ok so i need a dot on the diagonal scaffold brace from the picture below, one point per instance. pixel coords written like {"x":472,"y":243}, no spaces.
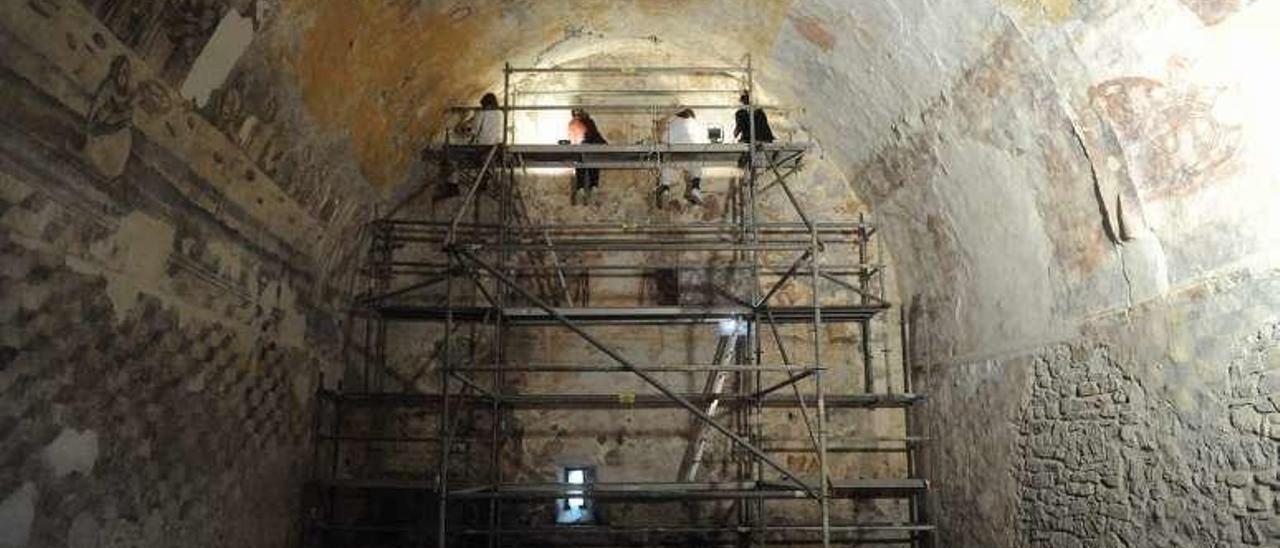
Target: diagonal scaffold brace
{"x":467,"y":255}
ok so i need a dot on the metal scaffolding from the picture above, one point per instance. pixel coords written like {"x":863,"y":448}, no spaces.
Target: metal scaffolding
{"x":490,"y":269}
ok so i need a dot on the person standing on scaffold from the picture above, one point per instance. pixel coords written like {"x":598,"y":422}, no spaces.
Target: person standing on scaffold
{"x":583,"y":131}
{"x":682,"y":130}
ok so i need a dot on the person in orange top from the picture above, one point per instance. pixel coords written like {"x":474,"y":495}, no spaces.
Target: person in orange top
{"x":583,"y":130}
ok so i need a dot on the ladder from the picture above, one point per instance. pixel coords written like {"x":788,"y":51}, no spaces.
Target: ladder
{"x":698,"y":440}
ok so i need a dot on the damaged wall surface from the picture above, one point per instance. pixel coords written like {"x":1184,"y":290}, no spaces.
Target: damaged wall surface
{"x":166,"y":312}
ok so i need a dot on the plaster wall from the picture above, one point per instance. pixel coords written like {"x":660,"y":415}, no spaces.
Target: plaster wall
{"x":163,"y":326}
{"x":1089,"y":266}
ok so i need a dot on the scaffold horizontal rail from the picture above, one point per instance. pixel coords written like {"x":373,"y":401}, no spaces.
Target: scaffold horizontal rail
{"x":861,"y":529}
{"x":649,"y":155}
{"x":527,"y":316}
{"x":630,"y":157}
{"x":875,"y":488}
{"x":556,"y":229}
{"x":865,"y":527}
{"x":424,"y":268}
{"x":630,"y":400}
{"x":846,"y":445}
{"x":887,"y":488}
{"x":713,"y":246}
{"x":632,"y":70}
{"x":663,"y":368}
{"x":637,"y":108}
{"x":869,"y":489}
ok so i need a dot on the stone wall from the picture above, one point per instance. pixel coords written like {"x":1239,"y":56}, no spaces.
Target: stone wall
{"x":1155,"y":428}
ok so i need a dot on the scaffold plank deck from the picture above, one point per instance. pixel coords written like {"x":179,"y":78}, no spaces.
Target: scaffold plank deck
{"x":642,"y":156}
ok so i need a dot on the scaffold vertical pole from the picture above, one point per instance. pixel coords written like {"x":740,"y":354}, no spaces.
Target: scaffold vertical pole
{"x":446,"y":441}
{"x":864,"y":284}
{"x":752,"y":235}
{"x":823,"y":470}
{"x":506,"y":182}
{"x":508,"y":124}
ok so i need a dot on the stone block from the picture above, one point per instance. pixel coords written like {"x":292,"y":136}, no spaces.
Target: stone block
{"x":1237,"y":498}
{"x":1245,"y":419}
{"x":1106,"y":409}
{"x":1076,"y":409}
{"x":1238,"y":478}
{"x":1269,"y":381}
{"x":1260,"y":499}
{"x":1111,"y":479}
{"x":1042,"y":481}
{"x":1117,"y":511}
{"x":1270,"y":528}
{"x":1080,"y":488}
{"x":1250,"y":533}
{"x":1268,"y":477}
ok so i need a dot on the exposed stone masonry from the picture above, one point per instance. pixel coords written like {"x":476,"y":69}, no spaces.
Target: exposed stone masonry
{"x":1253,"y":479}
{"x":1106,"y":463}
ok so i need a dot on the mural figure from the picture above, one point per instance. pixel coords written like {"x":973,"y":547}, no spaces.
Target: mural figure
{"x":227,"y":108}
{"x":1172,"y":137}
{"x":254,"y":127}
{"x":191,"y":24}
{"x":154,"y":97}
{"x":264,"y":144}
{"x":108,"y":133}
{"x":134,"y":22}
{"x":138,"y":20}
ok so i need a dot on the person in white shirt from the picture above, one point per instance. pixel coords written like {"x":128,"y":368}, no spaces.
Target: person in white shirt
{"x":683,"y":129}
{"x":485,"y":126}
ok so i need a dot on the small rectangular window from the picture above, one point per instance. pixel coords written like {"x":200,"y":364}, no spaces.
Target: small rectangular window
{"x":575,"y":509}
{"x":576,"y":476}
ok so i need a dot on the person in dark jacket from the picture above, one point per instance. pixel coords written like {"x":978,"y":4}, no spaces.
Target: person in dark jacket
{"x":583,"y":131}
{"x":742,"y":125}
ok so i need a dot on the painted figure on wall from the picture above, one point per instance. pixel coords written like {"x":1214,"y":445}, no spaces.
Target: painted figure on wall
{"x":226,"y":108}
{"x":108,"y":133}
{"x":134,"y":22}
{"x":255,"y":126}
{"x":262,"y":142}
{"x":191,"y":24}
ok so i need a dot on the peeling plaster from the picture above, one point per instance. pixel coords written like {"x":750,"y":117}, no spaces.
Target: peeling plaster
{"x":230,"y":40}
{"x":72,"y":451}
{"x":139,"y":254}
